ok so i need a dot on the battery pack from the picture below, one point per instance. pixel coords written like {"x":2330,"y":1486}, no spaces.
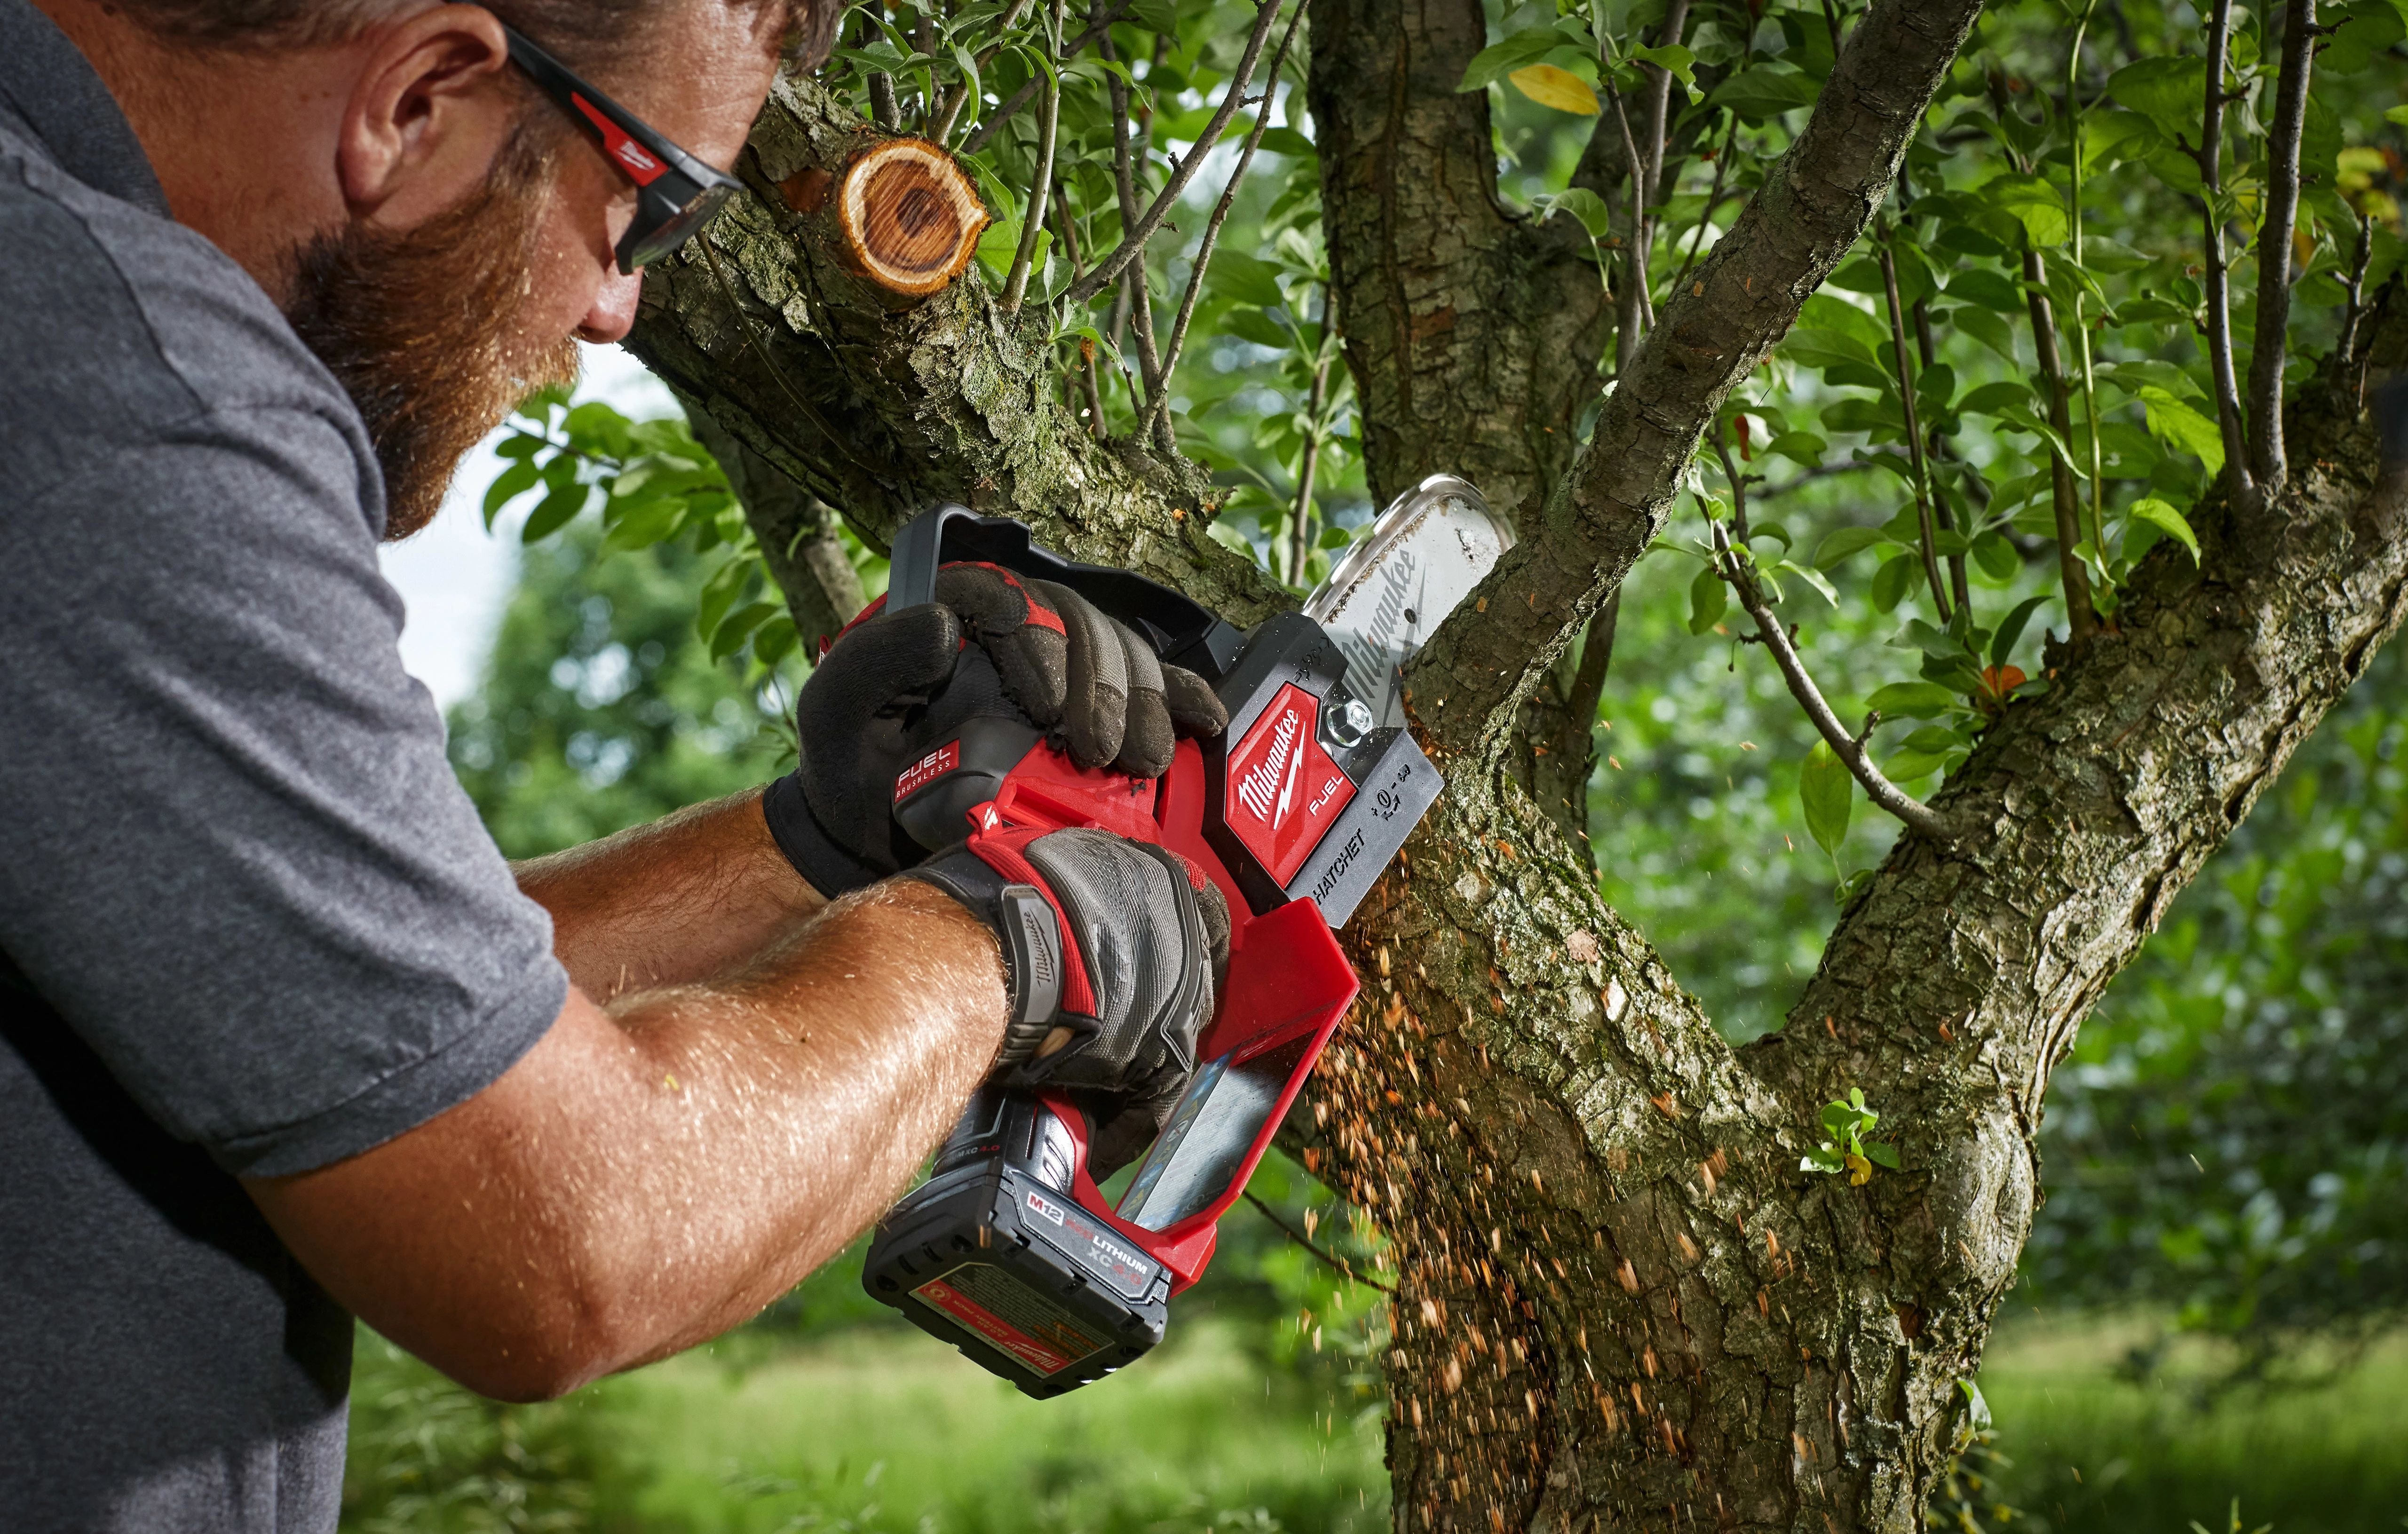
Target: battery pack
{"x":994,"y":1255}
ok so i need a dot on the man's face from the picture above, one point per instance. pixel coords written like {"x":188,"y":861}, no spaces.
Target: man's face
{"x":438,"y":329}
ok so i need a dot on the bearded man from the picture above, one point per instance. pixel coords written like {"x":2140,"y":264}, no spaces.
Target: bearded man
{"x":283,"y":1040}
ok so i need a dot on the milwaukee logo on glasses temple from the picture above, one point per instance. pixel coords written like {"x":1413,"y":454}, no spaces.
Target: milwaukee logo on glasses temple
{"x":1285,"y":789}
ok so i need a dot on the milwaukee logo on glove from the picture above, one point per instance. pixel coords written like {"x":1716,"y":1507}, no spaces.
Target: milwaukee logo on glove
{"x":1287,"y":789}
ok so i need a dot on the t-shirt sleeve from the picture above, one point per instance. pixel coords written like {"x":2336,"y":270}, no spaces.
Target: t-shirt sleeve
{"x":231,"y":853}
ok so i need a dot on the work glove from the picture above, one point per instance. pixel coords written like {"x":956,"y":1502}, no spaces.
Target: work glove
{"x":897,"y":685}
{"x":1114,"y":951}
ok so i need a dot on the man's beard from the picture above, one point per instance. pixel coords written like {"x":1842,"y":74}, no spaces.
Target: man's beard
{"x":422,"y":327}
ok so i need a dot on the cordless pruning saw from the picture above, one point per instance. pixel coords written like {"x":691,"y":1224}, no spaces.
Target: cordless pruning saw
{"x":1010,"y":1250}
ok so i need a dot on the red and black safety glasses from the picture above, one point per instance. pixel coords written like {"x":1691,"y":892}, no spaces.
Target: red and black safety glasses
{"x":676,"y":194}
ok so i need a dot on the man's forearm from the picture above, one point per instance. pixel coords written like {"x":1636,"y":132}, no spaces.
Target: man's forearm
{"x":679,"y":901}
{"x":653,"y":1173}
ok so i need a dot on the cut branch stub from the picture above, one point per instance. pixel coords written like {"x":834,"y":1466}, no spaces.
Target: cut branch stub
{"x":911,"y":218}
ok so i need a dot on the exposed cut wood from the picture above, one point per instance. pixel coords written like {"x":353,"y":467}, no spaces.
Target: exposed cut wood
{"x":911,"y":218}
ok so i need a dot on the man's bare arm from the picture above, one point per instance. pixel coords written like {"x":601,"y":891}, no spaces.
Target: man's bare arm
{"x":682,"y":899}
{"x":654,"y":1171}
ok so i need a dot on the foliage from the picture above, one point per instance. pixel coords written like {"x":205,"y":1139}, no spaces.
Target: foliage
{"x":2231,"y":1138}
{"x":428,"y":1458}
{"x":1844,"y":1147}
{"x":602,"y":708}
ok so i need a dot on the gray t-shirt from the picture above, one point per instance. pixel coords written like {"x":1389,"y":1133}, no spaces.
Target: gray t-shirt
{"x":249,"y":925}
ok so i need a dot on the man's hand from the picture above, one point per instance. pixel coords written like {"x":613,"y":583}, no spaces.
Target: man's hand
{"x":1115,"y":951}
{"x":895,"y":686}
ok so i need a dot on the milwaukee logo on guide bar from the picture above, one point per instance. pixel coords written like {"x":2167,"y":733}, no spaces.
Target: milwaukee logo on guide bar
{"x":1286,"y":790}
{"x":927,"y":769}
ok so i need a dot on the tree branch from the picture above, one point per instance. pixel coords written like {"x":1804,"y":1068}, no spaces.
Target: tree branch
{"x":1928,"y":533}
{"x":1041,"y":194}
{"x":2268,"y":349}
{"x":993,"y":124}
{"x":1815,"y":202}
{"x":1133,"y":242}
{"x":1768,"y":633}
{"x":1220,"y":216}
{"x":1339,"y":1265}
{"x":2082,"y":614}
{"x":2216,"y":276}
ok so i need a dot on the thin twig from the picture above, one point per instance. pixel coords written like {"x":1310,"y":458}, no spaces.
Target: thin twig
{"x":1300,"y":1239}
{"x":2082,"y":614}
{"x":2216,"y":276}
{"x":1299,"y":547}
{"x":1133,"y":242}
{"x":1925,"y":525}
{"x":1032,"y":219}
{"x":2267,"y":351}
{"x":1847,"y":748}
{"x":1137,"y":297}
{"x":994,"y":120}
{"x":1220,"y":216}
{"x":960,"y":96}
{"x":2081,"y":305}
{"x":2346,"y":348}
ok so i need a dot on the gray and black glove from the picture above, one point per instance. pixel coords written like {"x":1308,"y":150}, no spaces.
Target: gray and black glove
{"x":1115,"y":951}
{"x":896,"y":686}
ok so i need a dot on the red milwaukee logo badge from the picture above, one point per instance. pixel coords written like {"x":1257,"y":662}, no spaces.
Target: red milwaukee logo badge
{"x":1284,"y":790}
{"x":927,"y":769}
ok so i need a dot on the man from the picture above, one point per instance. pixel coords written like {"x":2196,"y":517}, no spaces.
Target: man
{"x":282,"y":1040}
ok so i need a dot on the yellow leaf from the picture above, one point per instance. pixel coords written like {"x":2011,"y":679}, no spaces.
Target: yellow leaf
{"x":1558,"y":88}
{"x":1860,"y":1172}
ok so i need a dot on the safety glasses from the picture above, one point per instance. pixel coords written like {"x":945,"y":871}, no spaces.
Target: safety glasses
{"x":676,"y":194}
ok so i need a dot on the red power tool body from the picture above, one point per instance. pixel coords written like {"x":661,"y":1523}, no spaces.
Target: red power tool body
{"x":1010,"y":1250}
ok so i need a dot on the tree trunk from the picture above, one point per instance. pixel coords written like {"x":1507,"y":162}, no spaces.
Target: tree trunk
{"x":1622,"y":1304}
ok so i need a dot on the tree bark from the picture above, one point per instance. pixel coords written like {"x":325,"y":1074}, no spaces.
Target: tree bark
{"x":1476,"y":331}
{"x":1620,"y":1304}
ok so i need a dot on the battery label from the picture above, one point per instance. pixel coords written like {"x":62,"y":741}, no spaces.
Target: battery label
{"x":1008,"y":1314}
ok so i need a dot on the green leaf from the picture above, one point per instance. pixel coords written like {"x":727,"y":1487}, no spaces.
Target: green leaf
{"x":1890,"y":582}
{"x":1803,"y":448}
{"x":737,"y":627}
{"x":2003,"y":644}
{"x":1996,"y":559}
{"x":2024,"y":421}
{"x":508,"y":486}
{"x":2162,"y":516}
{"x":1677,"y":61}
{"x":1766,"y":90}
{"x":2033,"y":203}
{"x":1912,"y":701}
{"x":1289,"y":142}
{"x":1499,"y":60}
{"x":2169,"y":92}
{"x":1585,"y":206}
{"x":1991,"y":290}
{"x":1881,"y":1154}
{"x":1248,"y":279}
{"x":2183,"y":428}
{"x":1707,"y":601}
{"x":1843,"y":544}
{"x":1829,"y":796}
{"x":1990,"y":398}
{"x":1813,"y":577}
{"x":1985,"y":327}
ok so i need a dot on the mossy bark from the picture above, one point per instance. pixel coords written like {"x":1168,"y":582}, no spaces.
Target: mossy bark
{"x":1622,"y":1304}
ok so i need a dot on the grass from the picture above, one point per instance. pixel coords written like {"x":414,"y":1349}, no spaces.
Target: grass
{"x":2097,"y":1453}
{"x":882,"y":1431}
